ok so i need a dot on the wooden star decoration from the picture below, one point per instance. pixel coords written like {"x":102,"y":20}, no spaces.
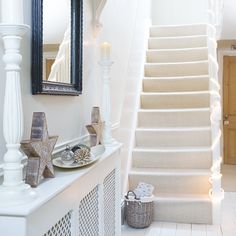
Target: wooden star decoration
{"x":95,"y":129}
{"x":39,"y":151}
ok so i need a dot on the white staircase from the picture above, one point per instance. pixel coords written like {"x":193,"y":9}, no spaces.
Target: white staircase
{"x":173,"y":138}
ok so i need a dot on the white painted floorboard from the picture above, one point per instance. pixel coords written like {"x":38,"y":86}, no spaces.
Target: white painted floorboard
{"x":199,"y":230}
{"x":168,"y":229}
{"x":227,"y":228}
{"x":183,"y":230}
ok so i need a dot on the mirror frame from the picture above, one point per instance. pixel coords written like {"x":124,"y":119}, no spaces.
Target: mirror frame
{"x":39,"y":86}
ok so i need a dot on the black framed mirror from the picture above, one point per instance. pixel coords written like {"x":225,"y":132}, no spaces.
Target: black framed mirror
{"x":57,"y":40}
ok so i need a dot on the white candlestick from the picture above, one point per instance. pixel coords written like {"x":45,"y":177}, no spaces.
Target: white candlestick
{"x":105,"y":65}
{"x":105,"y":51}
{"x":13,"y":190}
{"x":12,"y":12}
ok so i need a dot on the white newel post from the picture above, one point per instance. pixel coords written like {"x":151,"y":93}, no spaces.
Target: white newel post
{"x":13,"y":191}
{"x":105,"y":65}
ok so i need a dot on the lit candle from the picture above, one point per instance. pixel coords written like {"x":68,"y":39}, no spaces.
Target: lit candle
{"x":105,"y":51}
{"x":12,"y":12}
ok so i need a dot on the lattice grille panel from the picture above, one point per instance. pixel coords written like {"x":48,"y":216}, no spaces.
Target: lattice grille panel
{"x":62,"y":227}
{"x":88,"y":214}
{"x":109,"y":204}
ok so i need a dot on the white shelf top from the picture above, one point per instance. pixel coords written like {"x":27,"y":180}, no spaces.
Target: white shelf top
{"x":51,"y":187}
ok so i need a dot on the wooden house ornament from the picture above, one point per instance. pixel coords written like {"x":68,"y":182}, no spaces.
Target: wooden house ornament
{"x":96,"y":127}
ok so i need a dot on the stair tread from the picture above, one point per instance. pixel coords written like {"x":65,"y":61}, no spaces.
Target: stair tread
{"x":169,"y":172}
{"x":174,"y":129}
{"x":179,"y":25}
{"x":172,"y":149}
{"x":176,"y":63}
{"x":176,"y":49}
{"x":178,"y":77}
{"x":181,"y":197}
{"x":175,"y":93}
{"x":174,"y":55}
{"x":179,"y":37}
{"x":174,"y":110}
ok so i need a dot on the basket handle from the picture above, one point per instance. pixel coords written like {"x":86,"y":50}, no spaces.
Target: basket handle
{"x":130,"y":192}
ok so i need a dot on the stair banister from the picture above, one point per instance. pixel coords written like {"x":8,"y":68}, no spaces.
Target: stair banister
{"x":219,"y":17}
{"x":60,"y":71}
{"x":215,"y":15}
{"x":213,"y":30}
{"x":98,"y":6}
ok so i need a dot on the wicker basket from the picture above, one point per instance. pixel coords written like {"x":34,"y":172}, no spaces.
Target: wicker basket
{"x":138,"y":212}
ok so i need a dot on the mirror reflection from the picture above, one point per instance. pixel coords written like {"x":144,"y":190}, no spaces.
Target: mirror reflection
{"x":57,"y":41}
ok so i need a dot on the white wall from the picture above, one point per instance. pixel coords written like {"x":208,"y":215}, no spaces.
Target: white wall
{"x":229,"y":20}
{"x":67,"y":116}
{"x":172,"y":12}
{"x":134,"y":76}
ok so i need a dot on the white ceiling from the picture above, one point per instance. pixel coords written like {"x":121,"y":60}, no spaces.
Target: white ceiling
{"x":56,"y":15}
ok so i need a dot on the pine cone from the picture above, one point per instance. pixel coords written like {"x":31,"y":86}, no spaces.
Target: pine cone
{"x":82,"y":155}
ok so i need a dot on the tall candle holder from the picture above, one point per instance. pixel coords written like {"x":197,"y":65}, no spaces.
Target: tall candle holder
{"x":13,"y":191}
{"x":105,"y":65}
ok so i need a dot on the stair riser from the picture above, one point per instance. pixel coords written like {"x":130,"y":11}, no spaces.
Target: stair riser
{"x":183,"y":212}
{"x":172,"y":31}
{"x":173,"y":119}
{"x":173,"y":183}
{"x":175,"y":160}
{"x":174,"y":101}
{"x":172,"y":70}
{"x":177,"y":43}
{"x":172,"y":138}
{"x":177,"y":56}
{"x":175,"y":85}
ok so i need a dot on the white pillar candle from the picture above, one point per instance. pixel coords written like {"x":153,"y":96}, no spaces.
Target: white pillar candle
{"x":12,"y":12}
{"x":105,"y":51}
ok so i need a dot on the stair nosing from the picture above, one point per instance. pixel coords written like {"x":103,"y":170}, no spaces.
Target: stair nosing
{"x":179,"y":37}
{"x":203,"y":109}
{"x":177,"y":63}
{"x":169,"y":172}
{"x":173,"y":149}
{"x":176,"y":49}
{"x":176,"y":77}
{"x":175,"y":93}
{"x":182,"y":197}
{"x":178,"y":25}
{"x":175,"y":129}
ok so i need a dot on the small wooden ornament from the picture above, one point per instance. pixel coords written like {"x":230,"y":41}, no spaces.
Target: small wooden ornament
{"x":95,"y":129}
{"x":95,"y":115}
{"x":39,"y":151}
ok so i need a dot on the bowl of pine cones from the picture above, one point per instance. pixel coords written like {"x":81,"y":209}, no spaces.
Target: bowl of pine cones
{"x":83,"y":156}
